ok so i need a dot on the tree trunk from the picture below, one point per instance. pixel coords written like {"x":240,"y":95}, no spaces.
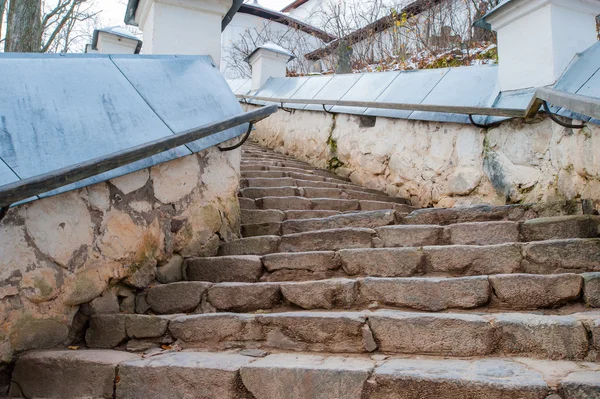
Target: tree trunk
{"x":24,"y":28}
{"x":2,"y":8}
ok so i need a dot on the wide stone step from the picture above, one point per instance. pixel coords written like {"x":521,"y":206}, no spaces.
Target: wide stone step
{"x":288,"y":181}
{"x":542,"y":257}
{"x":311,"y":192}
{"x":326,"y":204}
{"x":370,"y":219}
{"x":295,"y":172}
{"x":219,"y":375}
{"x":292,"y":173}
{"x":505,"y":291}
{"x":388,"y":331}
{"x":475,"y":213}
{"x":332,"y":233}
{"x":488,"y":233}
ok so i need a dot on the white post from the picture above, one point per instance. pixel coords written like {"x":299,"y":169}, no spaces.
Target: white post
{"x":182,"y":26}
{"x":268,"y":60}
{"x":115,"y":40}
{"x":537,"y":39}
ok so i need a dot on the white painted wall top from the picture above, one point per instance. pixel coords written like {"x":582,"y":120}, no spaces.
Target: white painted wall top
{"x":268,"y":61}
{"x":182,"y":26}
{"x":538,"y":39}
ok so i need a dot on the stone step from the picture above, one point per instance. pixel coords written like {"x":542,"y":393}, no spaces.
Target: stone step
{"x":240,"y":375}
{"x":311,"y":192}
{"x":293,"y":171}
{"x":254,"y":216}
{"x":261,"y":229}
{"x":304,"y":175}
{"x":288,"y":181}
{"x":541,"y":257}
{"x":489,"y":233}
{"x":333,"y":233}
{"x":475,"y":213}
{"x":388,"y":331}
{"x":370,"y":219}
{"x":433,"y":294}
{"x":322,"y":204}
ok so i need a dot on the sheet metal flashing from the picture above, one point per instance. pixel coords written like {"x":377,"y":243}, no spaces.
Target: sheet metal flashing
{"x":475,"y":86}
{"x":60,"y":110}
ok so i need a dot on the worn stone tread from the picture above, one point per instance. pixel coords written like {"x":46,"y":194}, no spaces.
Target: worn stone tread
{"x":389,"y":331}
{"x":220,"y":375}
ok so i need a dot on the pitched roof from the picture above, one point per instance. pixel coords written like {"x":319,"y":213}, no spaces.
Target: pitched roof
{"x":293,"y":5}
{"x":380,"y":25}
{"x":259,"y":11}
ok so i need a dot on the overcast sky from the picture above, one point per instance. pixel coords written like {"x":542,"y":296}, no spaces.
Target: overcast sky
{"x":113,"y":11}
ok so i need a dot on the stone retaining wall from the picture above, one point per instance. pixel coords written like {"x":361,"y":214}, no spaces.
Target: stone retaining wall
{"x":113,"y":238}
{"x":445,"y":164}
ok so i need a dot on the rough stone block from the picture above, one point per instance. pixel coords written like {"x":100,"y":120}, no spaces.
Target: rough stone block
{"x":361,"y":195}
{"x":254,"y":216}
{"x":183,"y":375}
{"x":431,"y":294}
{"x":532,"y":291}
{"x":553,"y":337}
{"x":270,"y":182}
{"x":284,"y":203}
{"x":473,"y":260}
{"x":410,"y":236}
{"x":313,"y":261}
{"x":291,"y":215}
{"x":261,"y":229}
{"x":289,"y":376}
{"x":560,"y":227}
{"x":475,"y":213}
{"x":260,"y":192}
{"x":559,"y":256}
{"x":171,"y":271}
{"x":247,"y":203}
{"x":443,"y":334}
{"x":144,"y":326}
{"x":322,"y":192}
{"x":585,"y":384}
{"x":224,"y":269}
{"x":250,"y":246}
{"x":327,"y":240}
{"x":591,"y":289}
{"x":262,"y":174}
{"x":244,"y":297}
{"x":67,"y":374}
{"x":360,"y":219}
{"x":181,"y":297}
{"x":324,"y":294}
{"x":106,"y":331}
{"x":214,"y":328}
{"x":343,"y":205}
{"x":456,"y":379}
{"x":382,"y":262}
{"x":483,"y":233}
{"x":315,"y":331}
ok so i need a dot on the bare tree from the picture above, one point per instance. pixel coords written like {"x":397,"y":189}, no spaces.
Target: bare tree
{"x":24,"y":27}
{"x":290,"y":37}
{"x":47,"y":25}
{"x":2,"y":8}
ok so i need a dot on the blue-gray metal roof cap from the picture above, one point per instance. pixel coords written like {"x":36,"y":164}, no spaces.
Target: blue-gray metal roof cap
{"x":482,"y":22}
{"x":118,"y":31}
{"x":132,"y":7}
{"x":272,"y":47}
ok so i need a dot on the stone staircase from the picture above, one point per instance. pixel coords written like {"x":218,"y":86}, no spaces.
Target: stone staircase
{"x":338,"y":291}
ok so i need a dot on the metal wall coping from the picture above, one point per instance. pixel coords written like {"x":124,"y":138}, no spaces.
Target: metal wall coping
{"x":57,"y":111}
{"x":423,"y":94}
